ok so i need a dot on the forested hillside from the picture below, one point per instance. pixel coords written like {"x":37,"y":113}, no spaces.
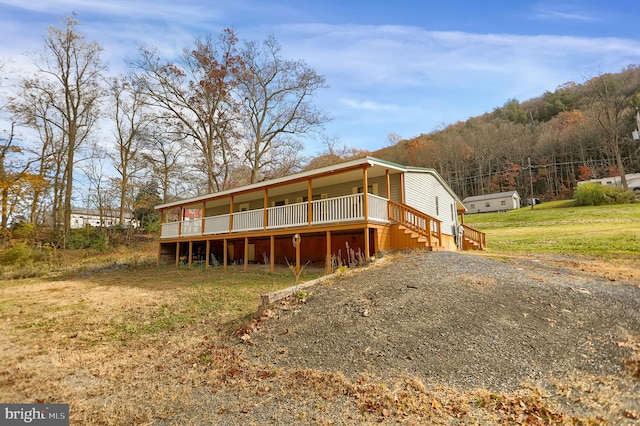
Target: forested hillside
{"x":576,"y":132}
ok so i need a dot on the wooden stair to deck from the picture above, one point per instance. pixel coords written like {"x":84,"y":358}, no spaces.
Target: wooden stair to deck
{"x":473,"y":239}
{"x":414,"y":229}
{"x":411,"y":239}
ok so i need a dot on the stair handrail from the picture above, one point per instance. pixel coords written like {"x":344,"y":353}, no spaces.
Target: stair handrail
{"x":474,"y":235}
{"x":409,"y":217}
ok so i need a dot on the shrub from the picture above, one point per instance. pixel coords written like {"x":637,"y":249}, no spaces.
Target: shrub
{"x":22,"y":231}
{"x":594,"y":194}
{"x":87,"y":238}
{"x":20,"y":253}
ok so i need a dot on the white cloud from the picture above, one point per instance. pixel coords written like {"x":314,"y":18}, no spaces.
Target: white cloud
{"x":368,"y":105}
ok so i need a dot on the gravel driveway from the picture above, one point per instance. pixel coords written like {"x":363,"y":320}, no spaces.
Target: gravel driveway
{"x":468,"y":322}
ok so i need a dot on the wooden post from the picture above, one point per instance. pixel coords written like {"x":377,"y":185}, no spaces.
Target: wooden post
{"x":246,"y":254}
{"x":328,"y":255}
{"x":402,"y":188}
{"x":272,"y":252}
{"x":297,"y":243}
{"x":204,"y":209}
{"x":225,"y":254}
{"x":266,"y":206}
{"x":190,"y":253}
{"x":177,"y":253}
{"x":309,"y":201}
{"x":231,"y":214}
{"x":365,"y":193}
{"x":207,"y":254}
{"x":366,"y":243}
{"x":388,"y":177}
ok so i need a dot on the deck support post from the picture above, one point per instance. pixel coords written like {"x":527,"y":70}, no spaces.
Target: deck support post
{"x":207,"y":254}
{"x":327,"y":260}
{"x":272,"y":253}
{"x":298,"y":255}
{"x":246,"y":254}
{"x":366,"y":243}
{"x":225,"y":254}
{"x":177,"y":253}
{"x":190,"y":254}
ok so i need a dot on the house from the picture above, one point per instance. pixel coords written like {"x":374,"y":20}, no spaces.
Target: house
{"x":502,"y":201}
{"x":82,"y":217}
{"x":360,"y":207}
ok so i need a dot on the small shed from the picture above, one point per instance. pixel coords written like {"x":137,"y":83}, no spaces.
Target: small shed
{"x":501,"y":201}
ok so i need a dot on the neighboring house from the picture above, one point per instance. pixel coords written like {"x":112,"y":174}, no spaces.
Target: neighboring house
{"x":366,"y":205}
{"x":502,"y":201}
{"x":81,"y":217}
{"x":633,"y":181}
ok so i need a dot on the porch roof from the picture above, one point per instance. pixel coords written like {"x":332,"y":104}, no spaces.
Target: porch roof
{"x":328,"y":175}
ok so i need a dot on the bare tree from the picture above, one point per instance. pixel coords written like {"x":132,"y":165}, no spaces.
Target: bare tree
{"x":72,"y":74}
{"x":612,"y":99}
{"x":276,"y":97}
{"x":131,"y":122}
{"x":196,"y":91}
{"x":164,"y":158}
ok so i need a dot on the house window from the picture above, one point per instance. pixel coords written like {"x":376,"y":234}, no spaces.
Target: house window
{"x":371,"y":189}
{"x":244,"y":207}
{"x":472,"y":206}
{"x":503,"y":203}
{"x":488,"y":204}
{"x":437,"y":207}
{"x":452,"y":214}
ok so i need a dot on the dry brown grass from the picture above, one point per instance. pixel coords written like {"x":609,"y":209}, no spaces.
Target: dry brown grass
{"x":143,"y":344}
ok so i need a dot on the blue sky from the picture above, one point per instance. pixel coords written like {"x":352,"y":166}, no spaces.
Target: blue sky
{"x":404,"y":67}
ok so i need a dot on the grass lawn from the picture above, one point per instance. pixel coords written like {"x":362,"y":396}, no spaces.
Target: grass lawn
{"x":604,"y":239}
{"x":557,"y":228}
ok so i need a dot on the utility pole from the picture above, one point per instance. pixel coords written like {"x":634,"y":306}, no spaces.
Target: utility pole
{"x":531,"y":183}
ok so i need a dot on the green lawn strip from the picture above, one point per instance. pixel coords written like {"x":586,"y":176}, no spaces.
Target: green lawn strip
{"x":602,"y":231}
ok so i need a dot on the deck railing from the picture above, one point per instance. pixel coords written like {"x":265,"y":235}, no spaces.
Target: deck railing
{"x":415,"y":220}
{"x":250,"y":220}
{"x":473,"y":239}
{"x":330,"y":210}
{"x":214,"y":224}
{"x":287,"y":215}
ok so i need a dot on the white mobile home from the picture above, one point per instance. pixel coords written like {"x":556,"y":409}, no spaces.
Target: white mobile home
{"x":633,"y":181}
{"x":502,"y":201}
{"x":365,"y":204}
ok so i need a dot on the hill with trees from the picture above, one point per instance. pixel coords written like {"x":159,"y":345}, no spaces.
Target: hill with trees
{"x":576,"y":132}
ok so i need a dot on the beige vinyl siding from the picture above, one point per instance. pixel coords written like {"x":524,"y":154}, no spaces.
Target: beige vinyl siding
{"x":394,"y":182}
{"x":421,"y":191}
